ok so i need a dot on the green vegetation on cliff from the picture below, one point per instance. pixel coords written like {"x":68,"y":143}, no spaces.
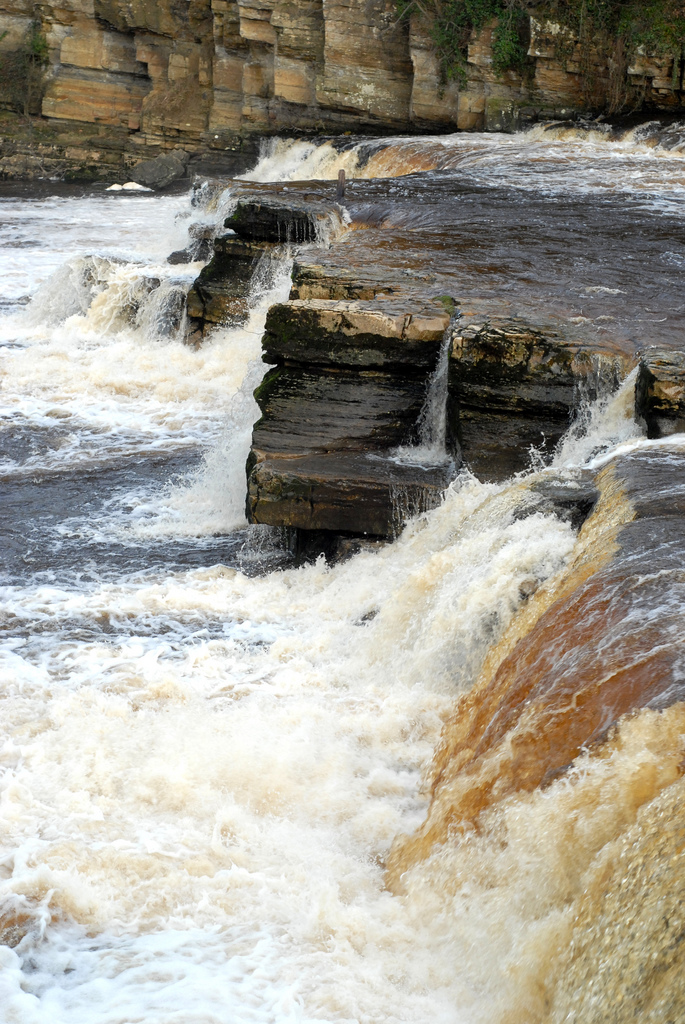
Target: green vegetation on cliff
{"x":616,"y":29}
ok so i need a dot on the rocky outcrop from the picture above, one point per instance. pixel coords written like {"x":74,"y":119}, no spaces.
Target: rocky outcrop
{"x":514,"y":387}
{"x":354,"y":352}
{"x":220,"y":293}
{"x":660,"y":392}
{"x":341,"y":444}
{"x":266,"y":217}
{"x":347,"y":390}
{"x":261,"y":222}
{"x":209,"y":75}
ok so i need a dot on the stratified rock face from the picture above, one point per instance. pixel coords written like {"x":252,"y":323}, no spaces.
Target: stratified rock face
{"x":514,"y":387}
{"x":348,"y":388}
{"x":220,"y":293}
{"x":354,"y":335}
{"x":206,"y":74}
{"x":660,"y":392}
{"x":265,"y":218}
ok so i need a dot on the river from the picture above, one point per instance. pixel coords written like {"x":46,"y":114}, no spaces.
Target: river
{"x":207,"y":751}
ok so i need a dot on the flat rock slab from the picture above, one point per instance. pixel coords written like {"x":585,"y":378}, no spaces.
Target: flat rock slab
{"x":310,"y":410}
{"x":331,"y":275}
{"x":161,"y":171}
{"x":341,"y":492}
{"x":324,"y":332}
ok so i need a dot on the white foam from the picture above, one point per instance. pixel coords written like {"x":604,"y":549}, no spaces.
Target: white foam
{"x":551,"y":160}
{"x":201,"y":773}
{"x":229,"y":799}
{"x":100,"y":353}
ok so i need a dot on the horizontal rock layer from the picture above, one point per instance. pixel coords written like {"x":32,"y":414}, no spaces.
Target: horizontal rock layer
{"x":347,"y":391}
{"x":354,"y":350}
{"x":514,"y":387}
{"x":360,"y":335}
{"x":274,"y":218}
{"x":206,"y":74}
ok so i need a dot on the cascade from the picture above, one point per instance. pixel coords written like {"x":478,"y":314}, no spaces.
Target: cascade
{"x":440,"y":779}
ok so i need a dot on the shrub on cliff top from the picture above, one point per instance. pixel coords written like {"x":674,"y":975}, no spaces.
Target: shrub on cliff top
{"x":616,"y":29}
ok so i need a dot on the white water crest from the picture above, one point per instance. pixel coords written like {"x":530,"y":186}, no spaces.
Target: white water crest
{"x":202,"y":771}
{"x":550,"y":159}
{"x":230,"y":779}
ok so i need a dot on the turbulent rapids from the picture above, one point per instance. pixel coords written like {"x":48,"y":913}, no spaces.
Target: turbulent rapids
{"x":440,"y":780}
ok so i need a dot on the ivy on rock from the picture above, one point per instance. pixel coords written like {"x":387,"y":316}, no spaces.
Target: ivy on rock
{"x":617,"y":29}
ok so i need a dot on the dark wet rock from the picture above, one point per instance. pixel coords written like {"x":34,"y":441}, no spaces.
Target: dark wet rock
{"x":307,"y":409}
{"x":308,"y":545}
{"x":202,"y":249}
{"x":514,"y":387}
{"x":340,"y":492}
{"x":320,"y":332}
{"x":161,"y":171}
{"x":660,"y":392}
{"x":347,"y":390}
{"x":264,"y":217}
{"x":571,"y":498}
{"x":220,"y":293}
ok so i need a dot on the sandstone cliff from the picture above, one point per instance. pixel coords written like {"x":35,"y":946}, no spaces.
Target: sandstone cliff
{"x":125,"y":79}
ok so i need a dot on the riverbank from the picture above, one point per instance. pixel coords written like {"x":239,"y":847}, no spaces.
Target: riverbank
{"x":98,"y":87}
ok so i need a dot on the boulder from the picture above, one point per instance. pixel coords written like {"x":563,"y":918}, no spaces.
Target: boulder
{"x":161,"y":171}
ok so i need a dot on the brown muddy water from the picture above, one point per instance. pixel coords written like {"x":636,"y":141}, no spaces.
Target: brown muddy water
{"x":441,"y":781}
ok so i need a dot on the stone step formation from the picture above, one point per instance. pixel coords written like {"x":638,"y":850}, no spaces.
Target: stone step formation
{"x":351,"y":356}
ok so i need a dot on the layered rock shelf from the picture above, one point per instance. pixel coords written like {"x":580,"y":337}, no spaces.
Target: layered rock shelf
{"x":514,"y":388}
{"x":346,"y":393}
{"x":340,"y":446}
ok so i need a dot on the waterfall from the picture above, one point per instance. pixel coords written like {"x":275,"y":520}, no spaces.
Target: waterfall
{"x":235,"y":788}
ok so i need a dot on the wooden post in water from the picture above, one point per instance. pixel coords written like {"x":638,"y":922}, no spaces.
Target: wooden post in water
{"x":340,"y":193}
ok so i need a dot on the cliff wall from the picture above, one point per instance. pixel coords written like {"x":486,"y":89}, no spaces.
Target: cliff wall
{"x":122,"y":80}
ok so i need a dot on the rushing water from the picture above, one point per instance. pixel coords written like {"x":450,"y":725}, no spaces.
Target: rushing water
{"x":207,"y":753}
